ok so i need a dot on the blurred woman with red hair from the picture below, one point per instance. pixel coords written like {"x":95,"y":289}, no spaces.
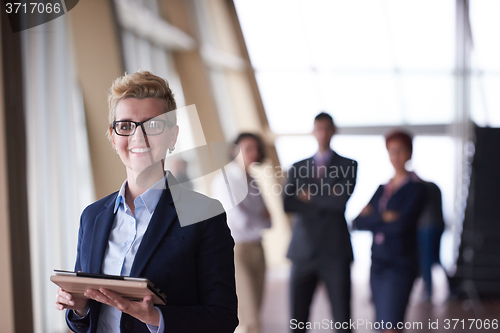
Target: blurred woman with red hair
{"x":392,"y":217}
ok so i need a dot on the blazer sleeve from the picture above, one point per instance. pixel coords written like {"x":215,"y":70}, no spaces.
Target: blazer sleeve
{"x":409,"y":211}
{"x":291,"y":203}
{"x":217,"y":309}
{"x":369,"y":222}
{"x":79,"y":325}
{"x":341,"y":190}
{"x":333,"y":201}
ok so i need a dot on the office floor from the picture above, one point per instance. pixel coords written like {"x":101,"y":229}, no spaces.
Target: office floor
{"x":275,"y":314}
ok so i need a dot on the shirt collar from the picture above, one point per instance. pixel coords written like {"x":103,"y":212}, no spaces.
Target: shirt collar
{"x":150,"y":197}
{"x":410,"y":177}
{"x":121,"y":196}
{"x":324,"y":156}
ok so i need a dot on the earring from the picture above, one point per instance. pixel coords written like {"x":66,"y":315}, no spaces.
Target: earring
{"x":116,"y":150}
{"x":170,"y":150}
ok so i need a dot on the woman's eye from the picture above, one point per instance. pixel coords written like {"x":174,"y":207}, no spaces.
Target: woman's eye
{"x":153,"y":124}
{"x":125,"y":126}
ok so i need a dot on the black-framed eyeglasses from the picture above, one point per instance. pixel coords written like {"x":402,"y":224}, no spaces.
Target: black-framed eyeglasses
{"x":149,"y":127}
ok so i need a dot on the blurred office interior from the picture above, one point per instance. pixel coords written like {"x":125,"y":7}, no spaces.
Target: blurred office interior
{"x":268,"y":67}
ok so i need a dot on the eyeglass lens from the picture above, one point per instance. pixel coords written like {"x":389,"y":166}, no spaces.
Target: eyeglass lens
{"x":150,"y":127}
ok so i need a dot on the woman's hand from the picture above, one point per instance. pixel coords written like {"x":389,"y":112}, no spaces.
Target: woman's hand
{"x":304,"y":196}
{"x":143,"y":310}
{"x":390,"y":216}
{"x":368,"y":210}
{"x":65,"y":300}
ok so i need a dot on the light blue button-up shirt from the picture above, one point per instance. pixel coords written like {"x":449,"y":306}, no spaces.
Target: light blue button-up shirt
{"x":124,"y":241}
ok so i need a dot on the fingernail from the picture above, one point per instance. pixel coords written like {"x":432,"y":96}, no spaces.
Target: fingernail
{"x":67,"y":297}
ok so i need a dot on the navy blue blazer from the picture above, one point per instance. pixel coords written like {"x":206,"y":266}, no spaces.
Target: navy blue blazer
{"x":397,"y":240}
{"x":320,"y":229}
{"x":193,"y":265}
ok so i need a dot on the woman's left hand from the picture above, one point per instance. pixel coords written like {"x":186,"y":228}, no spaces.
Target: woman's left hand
{"x":143,"y":310}
{"x":390,"y":216}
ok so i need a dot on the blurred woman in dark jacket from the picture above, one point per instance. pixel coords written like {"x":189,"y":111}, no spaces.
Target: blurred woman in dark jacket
{"x":392,"y":216}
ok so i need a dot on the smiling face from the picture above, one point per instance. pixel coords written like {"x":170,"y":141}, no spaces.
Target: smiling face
{"x":138,"y":152}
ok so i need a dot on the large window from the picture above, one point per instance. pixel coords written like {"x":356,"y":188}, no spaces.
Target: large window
{"x":375,"y":65}
{"x":367,"y":62}
{"x":59,"y":167}
{"x":485,"y":62}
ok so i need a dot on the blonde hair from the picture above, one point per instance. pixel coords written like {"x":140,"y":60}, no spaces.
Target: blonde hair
{"x":141,"y":84}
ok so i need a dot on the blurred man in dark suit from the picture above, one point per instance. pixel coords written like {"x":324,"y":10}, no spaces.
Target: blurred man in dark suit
{"x":317,"y":191}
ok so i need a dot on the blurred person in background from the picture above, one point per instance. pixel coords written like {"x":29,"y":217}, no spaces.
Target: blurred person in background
{"x":392,"y":216}
{"x":317,"y":191}
{"x":179,"y":169}
{"x":430,"y":229}
{"x":138,"y":231}
{"x":247,"y":220}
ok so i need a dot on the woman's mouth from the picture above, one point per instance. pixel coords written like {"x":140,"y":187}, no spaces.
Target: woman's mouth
{"x":140,"y":150}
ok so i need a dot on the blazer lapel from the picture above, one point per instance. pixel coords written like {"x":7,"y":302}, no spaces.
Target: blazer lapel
{"x":314,"y":169}
{"x":311,"y":170}
{"x":161,"y":220}
{"x":333,"y":169}
{"x":333,"y":159}
{"x":102,"y":228}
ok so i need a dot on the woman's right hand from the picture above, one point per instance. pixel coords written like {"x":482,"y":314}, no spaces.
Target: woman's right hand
{"x":65,"y":300}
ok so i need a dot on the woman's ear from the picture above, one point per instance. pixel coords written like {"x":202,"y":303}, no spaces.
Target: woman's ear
{"x":112,"y":139}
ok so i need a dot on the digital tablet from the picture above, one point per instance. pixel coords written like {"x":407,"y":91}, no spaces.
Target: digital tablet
{"x":128,"y":287}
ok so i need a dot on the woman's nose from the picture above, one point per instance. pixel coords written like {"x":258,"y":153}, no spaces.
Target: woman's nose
{"x":139,"y":135}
